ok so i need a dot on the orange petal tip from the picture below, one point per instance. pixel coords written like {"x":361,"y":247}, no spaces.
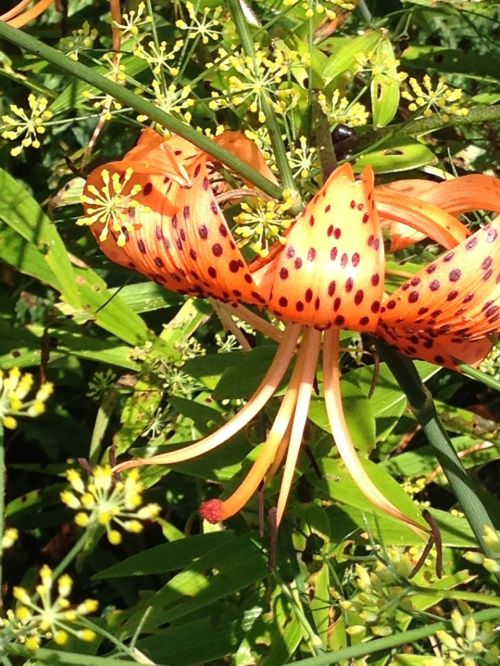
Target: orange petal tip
{"x":211,"y":510}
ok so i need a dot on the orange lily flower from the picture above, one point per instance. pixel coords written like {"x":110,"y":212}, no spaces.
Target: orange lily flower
{"x":157,"y":211}
{"x":19,"y":16}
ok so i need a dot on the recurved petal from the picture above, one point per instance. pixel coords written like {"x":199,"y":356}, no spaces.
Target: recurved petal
{"x":330,"y":272}
{"x":246,"y":150}
{"x":447,"y":310}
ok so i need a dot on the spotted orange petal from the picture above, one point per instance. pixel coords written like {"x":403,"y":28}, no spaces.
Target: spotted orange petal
{"x":330,"y":272}
{"x":446,"y":311}
{"x":174,"y":231}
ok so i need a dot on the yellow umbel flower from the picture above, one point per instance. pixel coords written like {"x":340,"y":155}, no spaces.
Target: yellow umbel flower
{"x":15,"y":388}
{"x":30,"y":125}
{"x":108,"y":503}
{"x":47,"y":613}
{"x":427,"y":100}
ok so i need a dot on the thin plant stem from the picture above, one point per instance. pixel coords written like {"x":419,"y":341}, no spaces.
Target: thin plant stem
{"x":271,"y":120}
{"x":79,"y":71}
{"x":395,"y":640}
{"x":479,"y":376}
{"x":2,"y":502}
{"x":71,"y":555}
{"x":422,"y":405}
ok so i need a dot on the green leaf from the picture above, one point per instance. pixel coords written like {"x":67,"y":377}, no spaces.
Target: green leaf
{"x":345,"y":53}
{"x":242,"y":379}
{"x":443,"y":59}
{"x":167,"y":557}
{"x":20,"y":211}
{"x":397,"y":155}
{"x":385,"y":84}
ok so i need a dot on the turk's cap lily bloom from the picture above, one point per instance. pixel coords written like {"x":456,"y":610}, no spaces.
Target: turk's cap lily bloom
{"x":158,"y":211}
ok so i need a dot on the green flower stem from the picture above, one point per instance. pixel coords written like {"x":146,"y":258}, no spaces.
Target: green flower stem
{"x":375,"y":139}
{"x":395,"y":640}
{"x":479,"y":376}
{"x":139,"y":104}
{"x":271,"y":120}
{"x":422,"y":406}
{"x":2,"y":503}
{"x":71,"y":555}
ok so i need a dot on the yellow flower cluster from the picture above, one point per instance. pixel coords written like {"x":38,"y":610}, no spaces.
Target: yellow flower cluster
{"x":37,"y":616}
{"x":110,"y":206}
{"x":340,"y":111}
{"x":79,"y":40}
{"x":106,"y":502}
{"x":491,"y":564}
{"x":327,"y":7}
{"x":262,"y":222}
{"x":208,"y":26}
{"x":14,"y":391}
{"x":470,"y":644}
{"x":134,"y":20}
{"x":28,"y":125}
{"x":429,"y":100}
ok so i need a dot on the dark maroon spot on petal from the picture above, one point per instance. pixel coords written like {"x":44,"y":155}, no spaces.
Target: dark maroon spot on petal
{"x":311,"y":221}
{"x":317,"y":303}
{"x":349,"y":284}
{"x":237,"y":293}
{"x":283,"y":302}
{"x":308,"y":295}
{"x":147,"y":189}
{"x":177,"y":152}
{"x":206,"y":183}
{"x":471,"y":243}
{"x":431,"y":268}
{"x":375,"y":279}
{"x":422,"y":311}
{"x":361,"y":206}
{"x":410,"y":349}
{"x":298,"y":263}
{"x":434,"y":285}
{"x":405,"y":287}
{"x":290,"y":252}
{"x":166,"y":179}
{"x":468,"y":298}
{"x":217,"y":249}
{"x":358,"y":296}
{"x":299,"y":306}
{"x":333,"y":253}
{"x":193,"y":254}
{"x":375,"y":306}
{"x":197,"y":170}
{"x":339,"y":320}
{"x":371,"y":239}
{"x":336,"y":304}
{"x":185,"y":212}
{"x":234,"y":266}
{"x":376,"y":244}
{"x":214,"y":208}
{"x":159,"y":262}
{"x":413,"y":297}
{"x":364,"y":320}
{"x":178,"y":244}
{"x":181,"y":272}
{"x":428,"y":343}
{"x":353,"y":204}
{"x":327,"y":208}
{"x":283,"y":273}
{"x":365,"y":218}
{"x":159,"y":233}
{"x":486,"y":263}
{"x":337,"y":233}
{"x":488,"y":274}
{"x":355,"y":259}
{"x":454,"y":275}
{"x":448,"y":257}
{"x":344,"y":259}
{"x":311,"y":254}
{"x":248,"y":278}
{"x":391,"y":305}
{"x":203,"y":232}
{"x":182,"y":234}
{"x":329,"y":231}
{"x":491,"y":235}
{"x":222,"y":230}
{"x":174,"y":221}
{"x":141,"y":246}
{"x":415,"y":281}
{"x":212,"y":272}
{"x":331,"y":288}
{"x":439,"y":359}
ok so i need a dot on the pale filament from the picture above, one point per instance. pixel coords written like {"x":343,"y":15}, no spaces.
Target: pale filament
{"x":264,"y":392}
{"x":345,"y":447}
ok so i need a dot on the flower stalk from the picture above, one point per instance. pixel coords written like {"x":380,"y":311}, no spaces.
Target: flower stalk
{"x":422,"y":405}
